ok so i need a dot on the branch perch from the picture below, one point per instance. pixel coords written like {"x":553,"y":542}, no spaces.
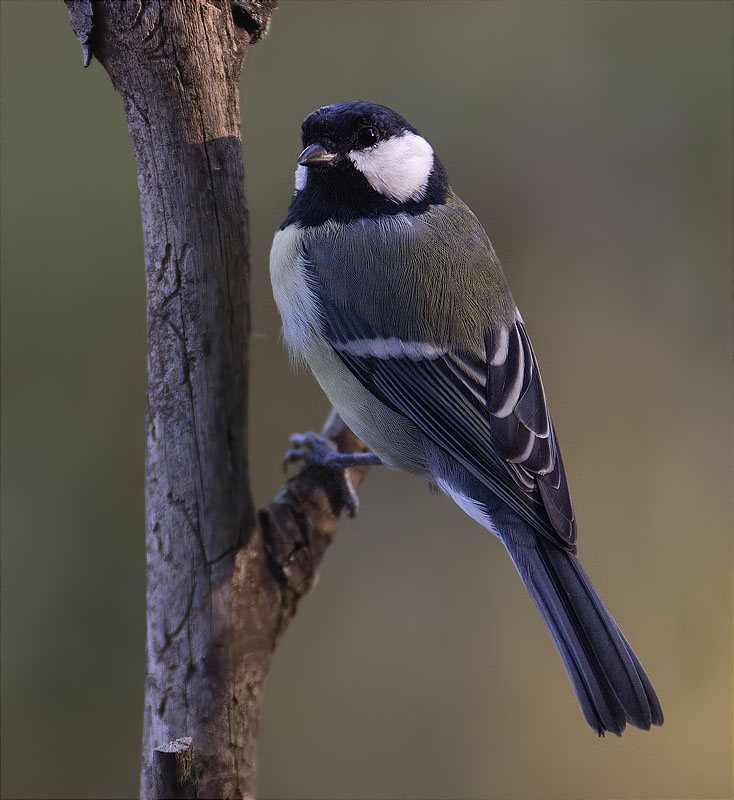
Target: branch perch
{"x":223,"y":581}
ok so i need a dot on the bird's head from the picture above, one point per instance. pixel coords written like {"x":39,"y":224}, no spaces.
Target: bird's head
{"x":365,"y":150}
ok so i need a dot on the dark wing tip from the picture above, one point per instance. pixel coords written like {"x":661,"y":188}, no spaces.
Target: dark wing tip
{"x":522,"y":430}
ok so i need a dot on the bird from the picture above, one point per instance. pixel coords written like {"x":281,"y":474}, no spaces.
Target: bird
{"x":391,"y":292}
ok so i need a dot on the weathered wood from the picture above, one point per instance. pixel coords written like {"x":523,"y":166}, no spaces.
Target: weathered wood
{"x":173,"y":770}
{"x":176,"y":66}
{"x":221,"y":587}
{"x":81,"y":17}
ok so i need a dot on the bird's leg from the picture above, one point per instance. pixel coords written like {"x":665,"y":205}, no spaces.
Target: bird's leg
{"x":320,"y":452}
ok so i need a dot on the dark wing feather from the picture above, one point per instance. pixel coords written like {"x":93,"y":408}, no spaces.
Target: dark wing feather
{"x":522,"y":430}
{"x":491,"y":417}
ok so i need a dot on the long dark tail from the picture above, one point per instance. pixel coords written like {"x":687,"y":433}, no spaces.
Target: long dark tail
{"x":609,"y":681}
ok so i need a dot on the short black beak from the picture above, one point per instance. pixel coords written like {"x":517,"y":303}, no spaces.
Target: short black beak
{"x":316,"y":155}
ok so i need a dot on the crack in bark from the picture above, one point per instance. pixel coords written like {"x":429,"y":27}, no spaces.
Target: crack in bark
{"x":196,"y":530}
{"x":169,"y":637}
{"x":188,"y":360}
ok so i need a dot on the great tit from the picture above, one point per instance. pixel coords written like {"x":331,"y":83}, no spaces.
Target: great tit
{"x":390,"y":290}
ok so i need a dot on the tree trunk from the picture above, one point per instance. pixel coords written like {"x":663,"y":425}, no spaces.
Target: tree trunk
{"x":222,"y":581}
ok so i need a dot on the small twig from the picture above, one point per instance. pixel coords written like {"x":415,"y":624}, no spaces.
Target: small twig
{"x":300,"y":523}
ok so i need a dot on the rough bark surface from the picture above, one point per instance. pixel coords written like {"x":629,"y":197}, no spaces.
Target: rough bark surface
{"x":173,"y":770}
{"x":223,"y":582}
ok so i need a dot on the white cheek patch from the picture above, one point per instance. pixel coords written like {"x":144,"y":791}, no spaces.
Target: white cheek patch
{"x":301,"y":175}
{"x":397,"y":168}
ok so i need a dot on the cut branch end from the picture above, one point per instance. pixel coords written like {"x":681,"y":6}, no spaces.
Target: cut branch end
{"x":173,"y":771}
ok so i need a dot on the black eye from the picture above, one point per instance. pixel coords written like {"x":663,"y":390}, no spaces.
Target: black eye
{"x":368,"y":136}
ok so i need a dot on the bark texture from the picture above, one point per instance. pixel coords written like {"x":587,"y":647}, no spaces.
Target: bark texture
{"x":223,"y":581}
{"x":173,"y":770}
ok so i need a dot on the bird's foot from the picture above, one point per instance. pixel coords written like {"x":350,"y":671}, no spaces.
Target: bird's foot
{"x":320,"y":452}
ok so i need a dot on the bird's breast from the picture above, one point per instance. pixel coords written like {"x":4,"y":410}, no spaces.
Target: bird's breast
{"x":293,"y":296}
{"x":386,"y":432}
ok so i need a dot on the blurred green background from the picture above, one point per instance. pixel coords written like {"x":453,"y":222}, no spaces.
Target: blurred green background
{"x":594,"y":140}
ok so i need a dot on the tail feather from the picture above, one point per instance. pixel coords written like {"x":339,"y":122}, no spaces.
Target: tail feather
{"x":609,"y":681}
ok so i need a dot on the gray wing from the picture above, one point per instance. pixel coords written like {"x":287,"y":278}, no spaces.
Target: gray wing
{"x":481,"y":401}
{"x":460,"y":403}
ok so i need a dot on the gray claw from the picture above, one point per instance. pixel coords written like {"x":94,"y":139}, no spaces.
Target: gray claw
{"x":349,"y":496}
{"x":320,"y":452}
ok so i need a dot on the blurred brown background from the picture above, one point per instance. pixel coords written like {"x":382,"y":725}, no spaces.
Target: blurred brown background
{"x":594,"y":140}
